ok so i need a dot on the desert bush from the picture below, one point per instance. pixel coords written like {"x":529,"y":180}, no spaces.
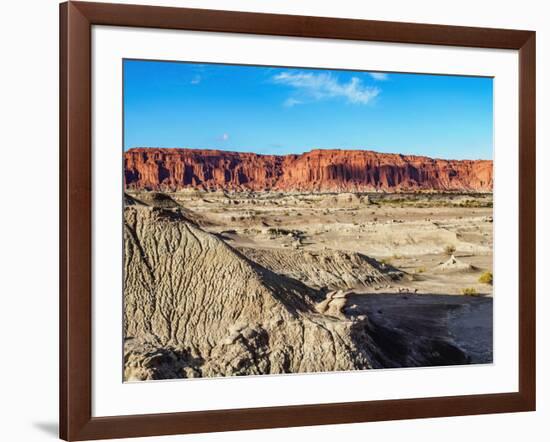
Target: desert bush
{"x":421,"y":270}
{"x":276,"y":231}
{"x":486,"y":278}
{"x":469,"y":291}
{"x":450,"y":249}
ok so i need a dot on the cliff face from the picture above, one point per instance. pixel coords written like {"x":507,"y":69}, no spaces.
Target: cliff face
{"x":317,"y":170}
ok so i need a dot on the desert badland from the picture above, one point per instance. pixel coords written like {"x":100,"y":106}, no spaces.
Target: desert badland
{"x":330,"y":260}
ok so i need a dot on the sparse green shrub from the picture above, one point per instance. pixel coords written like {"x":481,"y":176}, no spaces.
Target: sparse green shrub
{"x":486,"y":278}
{"x":277,"y":231}
{"x":421,"y":270}
{"x":469,"y":291}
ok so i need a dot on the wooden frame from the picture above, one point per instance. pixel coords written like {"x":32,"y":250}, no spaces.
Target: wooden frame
{"x":76,"y":421}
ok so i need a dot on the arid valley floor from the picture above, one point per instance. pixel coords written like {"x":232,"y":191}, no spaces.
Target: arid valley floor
{"x":242,"y":283}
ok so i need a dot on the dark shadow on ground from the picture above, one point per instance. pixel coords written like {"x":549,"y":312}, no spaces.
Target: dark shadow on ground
{"x":422,"y":330}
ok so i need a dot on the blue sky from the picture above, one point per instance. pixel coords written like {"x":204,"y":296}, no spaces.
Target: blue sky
{"x":293,"y":110}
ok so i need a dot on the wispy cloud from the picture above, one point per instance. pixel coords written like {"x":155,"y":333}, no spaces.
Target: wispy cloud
{"x":196,"y":79}
{"x":225,"y":137}
{"x":312,"y":86}
{"x":379,"y":76}
{"x":289,"y":102}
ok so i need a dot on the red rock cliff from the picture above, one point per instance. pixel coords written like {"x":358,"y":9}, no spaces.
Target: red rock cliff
{"x":317,"y":170}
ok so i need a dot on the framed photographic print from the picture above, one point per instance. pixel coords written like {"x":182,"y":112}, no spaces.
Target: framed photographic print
{"x":272,"y":220}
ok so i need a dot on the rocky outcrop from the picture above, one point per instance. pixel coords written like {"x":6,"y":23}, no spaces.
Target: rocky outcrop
{"x":194,"y":306}
{"x":317,"y":170}
{"x":324,"y":268}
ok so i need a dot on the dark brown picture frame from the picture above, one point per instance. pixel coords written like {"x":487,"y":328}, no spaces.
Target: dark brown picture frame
{"x":76,"y":421}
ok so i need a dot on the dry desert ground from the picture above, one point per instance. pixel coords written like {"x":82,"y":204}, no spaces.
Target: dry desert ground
{"x":245,"y":283}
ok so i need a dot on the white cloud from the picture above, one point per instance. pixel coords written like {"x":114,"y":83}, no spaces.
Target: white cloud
{"x":225,"y":137}
{"x":196,"y":79}
{"x":379,"y":76}
{"x":289,"y":102}
{"x":325,"y":85}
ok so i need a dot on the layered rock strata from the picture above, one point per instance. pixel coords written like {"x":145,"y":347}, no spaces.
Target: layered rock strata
{"x":317,"y":170}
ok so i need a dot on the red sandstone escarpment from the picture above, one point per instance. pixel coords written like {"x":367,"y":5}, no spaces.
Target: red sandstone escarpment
{"x":317,"y":170}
